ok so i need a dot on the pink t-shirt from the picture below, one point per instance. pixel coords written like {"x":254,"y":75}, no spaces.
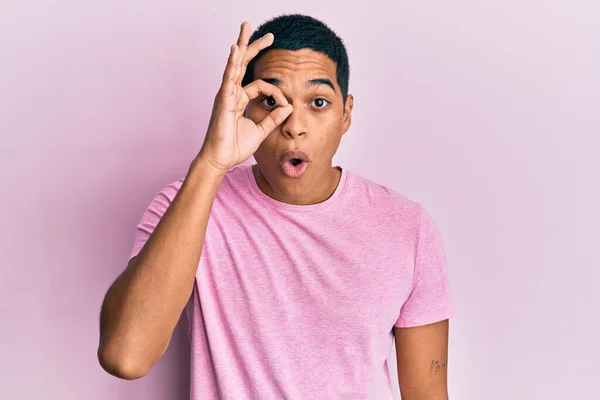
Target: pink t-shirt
{"x":299,"y":302}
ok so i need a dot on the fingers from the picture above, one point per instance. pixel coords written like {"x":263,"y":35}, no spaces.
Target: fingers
{"x":257,"y":46}
{"x":260,"y":87}
{"x":244,"y":36}
{"x":251,"y":51}
{"x":241,"y":54}
{"x":230,"y":69}
{"x":234,"y":62}
{"x":247,"y":53}
{"x":273,"y":120}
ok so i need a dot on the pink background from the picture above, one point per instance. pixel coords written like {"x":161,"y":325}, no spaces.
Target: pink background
{"x":486,"y":112}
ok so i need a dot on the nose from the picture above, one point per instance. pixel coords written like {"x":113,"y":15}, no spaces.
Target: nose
{"x":294,"y":126}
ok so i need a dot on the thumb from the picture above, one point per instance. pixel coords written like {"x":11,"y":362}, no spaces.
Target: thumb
{"x":274,"y":119}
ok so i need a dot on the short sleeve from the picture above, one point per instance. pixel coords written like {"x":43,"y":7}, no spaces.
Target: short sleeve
{"x":152,"y":215}
{"x":430,"y":299}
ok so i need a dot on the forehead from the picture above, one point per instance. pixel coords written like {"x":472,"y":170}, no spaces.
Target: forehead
{"x":295,"y":66}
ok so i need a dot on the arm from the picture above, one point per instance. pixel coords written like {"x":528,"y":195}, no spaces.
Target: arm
{"x":422,"y":354}
{"x":142,"y":307}
{"x":422,"y":327}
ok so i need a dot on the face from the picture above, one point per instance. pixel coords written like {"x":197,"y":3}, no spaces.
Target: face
{"x":316,"y":125}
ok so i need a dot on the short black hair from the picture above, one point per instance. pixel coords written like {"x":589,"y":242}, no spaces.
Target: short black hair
{"x":295,"y":32}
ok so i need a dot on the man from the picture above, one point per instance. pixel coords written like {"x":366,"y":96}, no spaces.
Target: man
{"x":296,"y":274}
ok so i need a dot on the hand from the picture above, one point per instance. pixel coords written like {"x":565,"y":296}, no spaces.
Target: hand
{"x":231,"y":138}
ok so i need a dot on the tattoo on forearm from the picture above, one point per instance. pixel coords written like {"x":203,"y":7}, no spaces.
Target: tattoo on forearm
{"x":436,"y":366}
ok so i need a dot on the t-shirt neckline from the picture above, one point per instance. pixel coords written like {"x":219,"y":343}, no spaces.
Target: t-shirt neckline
{"x":262,"y":197}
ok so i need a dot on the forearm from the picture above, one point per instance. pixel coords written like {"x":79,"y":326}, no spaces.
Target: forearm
{"x":142,"y":307}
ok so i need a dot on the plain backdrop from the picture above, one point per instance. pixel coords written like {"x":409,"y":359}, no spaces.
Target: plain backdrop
{"x":487,"y":112}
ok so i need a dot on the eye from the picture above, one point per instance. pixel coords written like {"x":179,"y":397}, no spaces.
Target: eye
{"x":269,"y":102}
{"x":320,"y":103}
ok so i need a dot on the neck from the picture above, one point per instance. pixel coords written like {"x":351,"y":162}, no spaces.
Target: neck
{"x":319,"y":191}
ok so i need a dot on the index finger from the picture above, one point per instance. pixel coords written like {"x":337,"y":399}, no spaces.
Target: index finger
{"x":258,"y":87}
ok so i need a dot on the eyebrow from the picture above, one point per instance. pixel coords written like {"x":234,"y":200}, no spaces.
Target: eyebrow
{"x":312,"y":82}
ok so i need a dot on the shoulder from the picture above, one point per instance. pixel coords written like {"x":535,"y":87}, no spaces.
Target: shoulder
{"x":384,"y":198}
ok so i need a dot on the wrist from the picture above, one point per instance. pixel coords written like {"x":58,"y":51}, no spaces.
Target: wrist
{"x":205,"y":168}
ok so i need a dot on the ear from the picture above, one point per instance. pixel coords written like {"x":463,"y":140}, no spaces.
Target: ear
{"x":348,"y":112}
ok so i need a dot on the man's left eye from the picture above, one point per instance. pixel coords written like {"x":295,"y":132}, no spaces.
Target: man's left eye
{"x":320,"y":103}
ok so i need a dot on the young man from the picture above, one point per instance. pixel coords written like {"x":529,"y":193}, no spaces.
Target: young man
{"x":296,"y":274}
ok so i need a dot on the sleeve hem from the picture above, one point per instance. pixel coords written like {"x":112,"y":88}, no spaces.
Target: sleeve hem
{"x":442,"y":316}
{"x":135,"y":251}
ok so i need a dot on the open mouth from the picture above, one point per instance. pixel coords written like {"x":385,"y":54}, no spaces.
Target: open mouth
{"x":294,"y":163}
